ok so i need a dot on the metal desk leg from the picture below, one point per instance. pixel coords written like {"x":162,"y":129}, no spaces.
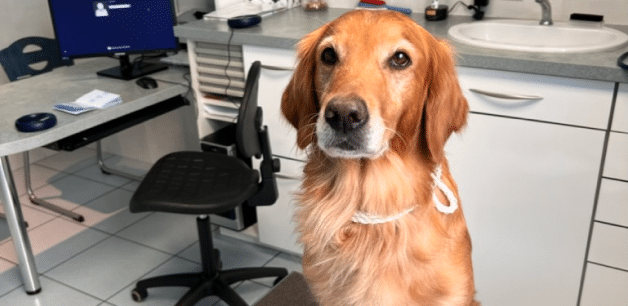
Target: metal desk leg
{"x":37,"y":201}
{"x":3,"y":216}
{"x":15,"y":219}
{"x":107,"y":170}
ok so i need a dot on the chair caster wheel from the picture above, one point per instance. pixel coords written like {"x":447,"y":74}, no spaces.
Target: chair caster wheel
{"x":139,"y":295}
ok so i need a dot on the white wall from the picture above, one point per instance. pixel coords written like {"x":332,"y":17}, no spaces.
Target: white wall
{"x":186,"y":5}
{"x":23,"y":18}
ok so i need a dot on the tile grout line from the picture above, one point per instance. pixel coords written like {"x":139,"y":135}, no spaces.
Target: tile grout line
{"x":139,"y":278}
{"x":76,"y":289}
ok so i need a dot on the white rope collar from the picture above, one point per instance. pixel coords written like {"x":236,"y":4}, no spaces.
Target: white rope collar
{"x":368,"y":218}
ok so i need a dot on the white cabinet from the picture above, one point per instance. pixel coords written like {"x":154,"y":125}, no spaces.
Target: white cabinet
{"x":612,"y":203}
{"x":606,"y":275}
{"x":620,"y":117}
{"x":616,"y":165}
{"x":527,"y":190}
{"x":604,"y":286}
{"x":527,"y":186}
{"x":554,"y":99}
{"x":609,"y":246}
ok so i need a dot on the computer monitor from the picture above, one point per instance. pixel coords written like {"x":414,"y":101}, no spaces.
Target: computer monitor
{"x":87,"y":28}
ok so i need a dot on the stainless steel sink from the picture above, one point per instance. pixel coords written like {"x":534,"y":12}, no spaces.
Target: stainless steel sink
{"x":529,"y":36}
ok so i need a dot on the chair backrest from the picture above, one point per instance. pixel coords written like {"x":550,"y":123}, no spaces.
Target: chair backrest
{"x":252,"y":139}
{"x":16,"y":63}
{"x":250,"y":116}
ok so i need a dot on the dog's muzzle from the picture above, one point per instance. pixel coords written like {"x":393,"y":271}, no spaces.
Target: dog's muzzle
{"x":346,"y":115}
{"x":346,"y":129}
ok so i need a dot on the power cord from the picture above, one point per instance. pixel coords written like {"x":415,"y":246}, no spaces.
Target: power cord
{"x":228,"y":62}
{"x":478,"y":15}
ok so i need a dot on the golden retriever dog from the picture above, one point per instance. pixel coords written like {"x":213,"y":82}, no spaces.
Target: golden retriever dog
{"x":374,"y":98}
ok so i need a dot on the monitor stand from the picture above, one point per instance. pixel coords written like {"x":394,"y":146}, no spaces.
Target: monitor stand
{"x":128,"y":71}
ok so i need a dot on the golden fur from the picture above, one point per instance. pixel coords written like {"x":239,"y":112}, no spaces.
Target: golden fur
{"x":423,"y":258}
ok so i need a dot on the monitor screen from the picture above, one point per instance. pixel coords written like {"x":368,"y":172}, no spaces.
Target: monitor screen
{"x":100,"y":27}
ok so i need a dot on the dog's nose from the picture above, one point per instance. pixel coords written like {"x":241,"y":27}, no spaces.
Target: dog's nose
{"x":346,"y":114}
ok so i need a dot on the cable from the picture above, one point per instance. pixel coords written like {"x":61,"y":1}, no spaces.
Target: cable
{"x":227,"y":67}
{"x":454,"y":6}
{"x":188,"y":77}
{"x":479,"y":14}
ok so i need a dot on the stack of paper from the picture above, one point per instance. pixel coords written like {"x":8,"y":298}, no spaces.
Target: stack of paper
{"x":96,"y":99}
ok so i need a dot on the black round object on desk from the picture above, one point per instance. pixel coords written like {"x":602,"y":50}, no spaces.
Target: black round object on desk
{"x":245,"y":21}
{"x":35,"y":122}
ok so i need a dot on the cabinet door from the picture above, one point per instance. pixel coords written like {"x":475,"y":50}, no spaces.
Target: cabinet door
{"x":527,"y":189}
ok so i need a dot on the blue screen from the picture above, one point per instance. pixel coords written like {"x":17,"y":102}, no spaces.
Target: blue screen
{"x":92,"y":27}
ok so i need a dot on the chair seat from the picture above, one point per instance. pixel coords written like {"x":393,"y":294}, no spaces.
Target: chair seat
{"x":195,"y":183}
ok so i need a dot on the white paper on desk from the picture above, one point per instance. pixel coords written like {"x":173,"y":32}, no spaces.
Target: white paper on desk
{"x":95,"y":99}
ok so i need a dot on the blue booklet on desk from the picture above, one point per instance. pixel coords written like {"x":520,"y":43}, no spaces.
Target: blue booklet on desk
{"x":95,"y":99}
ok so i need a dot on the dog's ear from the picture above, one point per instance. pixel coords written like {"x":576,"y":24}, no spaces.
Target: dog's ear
{"x":446,"y":108}
{"x":299,"y":103}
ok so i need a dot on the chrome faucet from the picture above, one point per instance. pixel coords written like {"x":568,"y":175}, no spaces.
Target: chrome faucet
{"x":546,"y":17}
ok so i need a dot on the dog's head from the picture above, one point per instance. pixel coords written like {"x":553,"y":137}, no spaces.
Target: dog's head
{"x":371,"y":82}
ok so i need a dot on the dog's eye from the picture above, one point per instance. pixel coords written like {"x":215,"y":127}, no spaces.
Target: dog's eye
{"x":329,"y":56}
{"x":399,"y":60}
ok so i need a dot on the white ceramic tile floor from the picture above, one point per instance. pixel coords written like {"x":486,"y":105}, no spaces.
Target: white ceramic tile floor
{"x":97,"y":262}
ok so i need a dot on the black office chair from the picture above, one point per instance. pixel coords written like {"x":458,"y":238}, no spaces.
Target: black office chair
{"x":203,"y":183}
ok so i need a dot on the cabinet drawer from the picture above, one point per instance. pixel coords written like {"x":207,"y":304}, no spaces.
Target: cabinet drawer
{"x":616,"y":165}
{"x":604,"y":286}
{"x":562,"y":100}
{"x":620,"y":117}
{"x":609,"y":246}
{"x":612,"y":206}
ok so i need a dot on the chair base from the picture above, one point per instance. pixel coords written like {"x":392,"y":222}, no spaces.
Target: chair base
{"x":202,"y":285}
{"x":212,"y":280}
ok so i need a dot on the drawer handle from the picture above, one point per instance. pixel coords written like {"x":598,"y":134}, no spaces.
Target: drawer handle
{"x":288,"y":177}
{"x":277,"y":68}
{"x":505,"y":96}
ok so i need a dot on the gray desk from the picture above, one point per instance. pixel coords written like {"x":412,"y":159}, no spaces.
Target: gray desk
{"x":38,"y":94}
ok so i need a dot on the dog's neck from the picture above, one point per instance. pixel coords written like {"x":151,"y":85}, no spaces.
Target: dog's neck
{"x":389,"y":186}
{"x":362,"y":217}
{"x":334,"y":189}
